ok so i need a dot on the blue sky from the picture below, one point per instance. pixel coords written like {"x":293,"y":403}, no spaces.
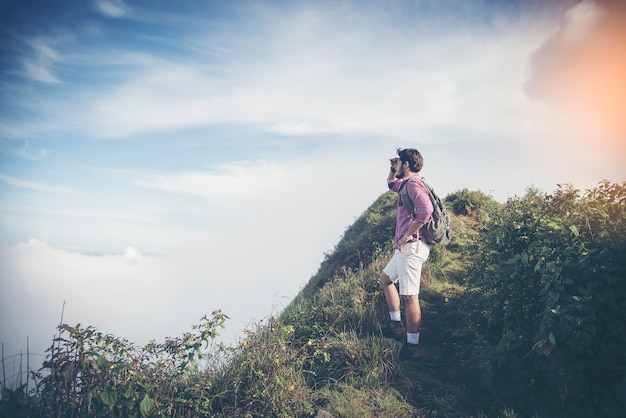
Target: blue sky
{"x":160,"y":160}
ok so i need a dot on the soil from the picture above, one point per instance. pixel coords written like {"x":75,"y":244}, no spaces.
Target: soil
{"x":450,"y":379}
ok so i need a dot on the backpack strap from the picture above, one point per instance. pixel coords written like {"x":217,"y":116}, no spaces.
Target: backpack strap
{"x":404,"y":195}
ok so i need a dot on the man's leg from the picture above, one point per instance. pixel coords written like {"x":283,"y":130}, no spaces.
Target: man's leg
{"x":394,"y":329}
{"x":410,"y":351}
{"x":411,"y":269}
{"x":413,"y":313}
{"x":391,"y":293}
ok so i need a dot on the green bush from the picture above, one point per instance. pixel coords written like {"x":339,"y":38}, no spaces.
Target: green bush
{"x":550,"y":288}
{"x":88,"y":374}
{"x":472,"y":203}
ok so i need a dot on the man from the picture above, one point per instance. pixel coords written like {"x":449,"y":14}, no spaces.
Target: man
{"x":405,"y":267}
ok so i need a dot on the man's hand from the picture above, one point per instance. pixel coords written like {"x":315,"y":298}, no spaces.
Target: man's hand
{"x":404,"y":240}
{"x":411,"y":234}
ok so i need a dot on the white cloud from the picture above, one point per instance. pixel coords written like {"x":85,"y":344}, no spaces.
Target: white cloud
{"x":229,"y":181}
{"x":104,"y":291}
{"x":132,"y":256}
{"x":292,"y":128}
{"x":39,"y":64}
{"x":40,"y":72}
{"x":215,"y":265}
{"x":112,"y":8}
{"x":43,"y":50}
{"x":92,"y":215}
{"x":580,"y":71}
{"x":35,"y":186}
{"x":95,"y":280}
{"x":579,"y":21}
{"x":25,"y":151}
{"x":308,"y":75}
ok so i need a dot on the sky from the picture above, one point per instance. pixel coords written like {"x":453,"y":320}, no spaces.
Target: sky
{"x":161,"y":160}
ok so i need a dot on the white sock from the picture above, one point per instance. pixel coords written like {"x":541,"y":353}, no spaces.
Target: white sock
{"x":395,"y":316}
{"x":413,"y":337}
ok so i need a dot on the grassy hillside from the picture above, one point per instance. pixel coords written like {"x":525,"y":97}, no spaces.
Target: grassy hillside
{"x":342,"y":310}
{"x":522,"y":317}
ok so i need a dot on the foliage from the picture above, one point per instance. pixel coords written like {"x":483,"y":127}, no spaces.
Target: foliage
{"x":264,"y":377}
{"x":550,"y":289}
{"x":332,"y":327}
{"x":88,"y":373}
{"x":345,"y":400}
{"x":472,"y":203}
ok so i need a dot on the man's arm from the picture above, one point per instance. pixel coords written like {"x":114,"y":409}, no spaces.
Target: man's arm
{"x":408,"y":236}
{"x":392,"y":170}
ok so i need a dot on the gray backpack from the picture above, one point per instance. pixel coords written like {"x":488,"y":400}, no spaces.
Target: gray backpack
{"x":437,"y":230}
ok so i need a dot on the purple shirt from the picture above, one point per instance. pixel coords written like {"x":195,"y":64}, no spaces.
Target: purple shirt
{"x":418,"y":193}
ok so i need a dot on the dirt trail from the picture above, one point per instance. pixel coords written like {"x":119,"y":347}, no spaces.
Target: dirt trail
{"x":447,"y":382}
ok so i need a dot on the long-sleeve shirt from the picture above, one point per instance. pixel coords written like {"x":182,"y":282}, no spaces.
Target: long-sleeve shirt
{"x":418,"y":193}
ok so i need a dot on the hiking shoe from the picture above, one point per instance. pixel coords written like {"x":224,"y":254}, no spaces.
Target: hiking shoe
{"x":395,"y":330}
{"x":411,"y":352}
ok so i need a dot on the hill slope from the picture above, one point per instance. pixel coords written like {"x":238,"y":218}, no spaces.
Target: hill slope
{"x":345,"y":297}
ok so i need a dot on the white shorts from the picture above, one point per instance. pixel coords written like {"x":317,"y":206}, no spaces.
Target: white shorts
{"x":405,"y":267}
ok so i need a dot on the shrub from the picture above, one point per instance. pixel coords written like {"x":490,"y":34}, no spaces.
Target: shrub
{"x":88,"y":373}
{"x":550,"y":288}
{"x":474,"y":203}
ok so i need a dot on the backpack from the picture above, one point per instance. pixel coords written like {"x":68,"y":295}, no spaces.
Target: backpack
{"x":437,"y":230}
